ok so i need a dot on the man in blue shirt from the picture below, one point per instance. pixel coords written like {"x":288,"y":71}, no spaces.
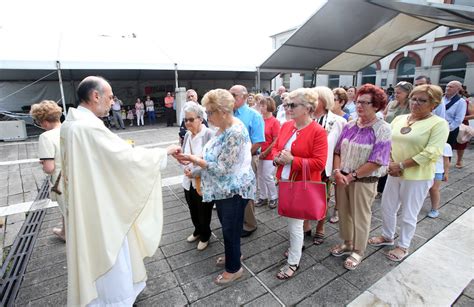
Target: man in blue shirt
{"x":455,"y":109}
{"x":255,"y":125}
{"x":440,"y":110}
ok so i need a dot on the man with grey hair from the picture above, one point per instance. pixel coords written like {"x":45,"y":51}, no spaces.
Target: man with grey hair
{"x":278,"y":98}
{"x":108,"y":226}
{"x":255,"y":125}
{"x":455,"y":109}
{"x":117,"y":114}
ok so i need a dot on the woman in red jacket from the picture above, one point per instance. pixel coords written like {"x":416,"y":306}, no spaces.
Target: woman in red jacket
{"x":300,"y":139}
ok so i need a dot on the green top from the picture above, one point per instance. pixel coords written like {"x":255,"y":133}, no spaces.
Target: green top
{"x":424,"y":144}
{"x":394,"y":109}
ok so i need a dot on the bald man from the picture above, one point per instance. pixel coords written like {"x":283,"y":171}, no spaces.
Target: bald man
{"x":255,"y":125}
{"x":455,"y":109}
{"x":113,"y":219}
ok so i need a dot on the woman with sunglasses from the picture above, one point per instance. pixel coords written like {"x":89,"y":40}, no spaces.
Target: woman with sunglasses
{"x":196,"y":137}
{"x":300,"y":139}
{"x":361,"y":156}
{"x":227,"y":176}
{"x":418,"y":141}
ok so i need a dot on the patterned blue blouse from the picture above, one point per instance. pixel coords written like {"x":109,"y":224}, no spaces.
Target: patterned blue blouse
{"x":229,"y":171}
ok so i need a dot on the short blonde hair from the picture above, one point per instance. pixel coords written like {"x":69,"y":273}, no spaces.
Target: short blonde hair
{"x":219,"y":99}
{"x":307,"y":96}
{"x":269,"y":103}
{"x":341,"y":94}
{"x":46,"y":110}
{"x":326,"y":96}
{"x":434,"y":92}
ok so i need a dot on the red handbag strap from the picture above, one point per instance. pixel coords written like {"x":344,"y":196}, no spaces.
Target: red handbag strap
{"x":306,"y":170}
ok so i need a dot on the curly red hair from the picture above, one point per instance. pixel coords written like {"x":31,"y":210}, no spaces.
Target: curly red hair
{"x":379,"y":98}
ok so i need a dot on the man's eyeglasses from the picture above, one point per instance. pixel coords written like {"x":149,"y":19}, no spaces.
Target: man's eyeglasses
{"x":191,"y":119}
{"x":419,"y":101}
{"x":364,"y":103}
{"x":285,"y":106}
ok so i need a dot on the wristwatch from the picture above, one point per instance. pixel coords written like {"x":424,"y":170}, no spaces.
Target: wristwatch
{"x":334,"y":171}
{"x":402,"y":167}
{"x":354,"y":175}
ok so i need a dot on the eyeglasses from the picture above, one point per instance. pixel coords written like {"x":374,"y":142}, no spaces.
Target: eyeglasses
{"x":191,"y":119}
{"x":235,"y":95}
{"x":364,"y":103}
{"x":419,"y":101}
{"x":190,"y":96}
{"x":285,"y":106}
{"x":293,"y":105}
{"x":209,"y":113}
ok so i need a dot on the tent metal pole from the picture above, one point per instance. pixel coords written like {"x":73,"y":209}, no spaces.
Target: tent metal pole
{"x":58,"y":65}
{"x":176,"y":75}
{"x":258,"y":80}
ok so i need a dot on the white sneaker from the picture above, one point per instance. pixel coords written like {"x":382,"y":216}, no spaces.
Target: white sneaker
{"x":202,"y":245}
{"x":192,"y":238}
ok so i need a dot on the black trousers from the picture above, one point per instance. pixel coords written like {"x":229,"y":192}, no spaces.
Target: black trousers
{"x":381,"y":183}
{"x":169,"y":114}
{"x":201,"y":214}
{"x":452,"y":137}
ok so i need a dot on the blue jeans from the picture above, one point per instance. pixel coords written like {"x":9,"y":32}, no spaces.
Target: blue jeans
{"x":151,"y":117}
{"x":231,"y":215}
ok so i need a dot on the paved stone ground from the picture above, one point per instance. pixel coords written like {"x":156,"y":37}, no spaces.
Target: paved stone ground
{"x":180,"y":275}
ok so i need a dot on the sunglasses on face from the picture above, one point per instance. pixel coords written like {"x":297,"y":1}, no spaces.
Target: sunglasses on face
{"x":191,"y":119}
{"x":293,"y":105}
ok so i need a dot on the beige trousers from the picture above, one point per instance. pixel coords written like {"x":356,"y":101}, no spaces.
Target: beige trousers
{"x":250,"y":222}
{"x":354,"y":203}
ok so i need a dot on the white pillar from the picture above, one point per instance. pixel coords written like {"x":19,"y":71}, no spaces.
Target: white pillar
{"x":434,"y":74}
{"x":469,"y":78}
{"x":180,"y":99}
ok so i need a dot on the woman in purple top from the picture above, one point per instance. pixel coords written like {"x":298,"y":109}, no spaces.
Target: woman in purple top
{"x":361,"y":156}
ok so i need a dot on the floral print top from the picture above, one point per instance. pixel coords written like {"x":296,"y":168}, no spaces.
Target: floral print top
{"x":229,"y":171}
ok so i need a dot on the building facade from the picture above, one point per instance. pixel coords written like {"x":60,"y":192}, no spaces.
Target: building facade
{"x":444,"y":55}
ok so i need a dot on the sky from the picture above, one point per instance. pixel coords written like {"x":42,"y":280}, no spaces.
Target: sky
{"x":199,"y":32}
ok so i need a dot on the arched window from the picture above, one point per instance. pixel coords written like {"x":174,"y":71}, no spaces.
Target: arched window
{"x":453,"y":68}
{"x":406,"y":70}
{"x":368,"y":74}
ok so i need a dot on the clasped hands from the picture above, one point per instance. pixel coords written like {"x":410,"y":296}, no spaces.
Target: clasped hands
{"x":284,"y":157}
{"x":394,"y":169}
{"x":342,"y":179}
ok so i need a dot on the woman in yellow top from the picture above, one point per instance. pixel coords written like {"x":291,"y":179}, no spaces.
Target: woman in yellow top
{"x":418,"y":140}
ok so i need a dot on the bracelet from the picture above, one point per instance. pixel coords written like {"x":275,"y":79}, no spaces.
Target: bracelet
{"x":336,"y":170}
{"x":402,"y":167}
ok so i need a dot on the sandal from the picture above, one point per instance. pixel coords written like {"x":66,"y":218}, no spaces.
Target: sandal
{"x":221,"y":280}
{"x":353,"y":261}
{"x":380,"y":241}
{"x":335,"y":218}
{"x":341,"y":250}
{"x":285,"y":271}
{"x":285,"y":254}
{"x":220,"y":261}
{"x":397,"y":256}
{"x":318,"y":238}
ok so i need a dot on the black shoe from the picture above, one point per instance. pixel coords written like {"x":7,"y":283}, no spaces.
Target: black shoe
{"x":246,"y":233}
{"x":308,"y":233}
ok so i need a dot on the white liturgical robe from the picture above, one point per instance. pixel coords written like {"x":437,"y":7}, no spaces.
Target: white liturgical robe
{"x":114,"y":205}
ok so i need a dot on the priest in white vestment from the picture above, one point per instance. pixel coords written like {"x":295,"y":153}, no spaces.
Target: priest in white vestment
{"x":115,"y":212}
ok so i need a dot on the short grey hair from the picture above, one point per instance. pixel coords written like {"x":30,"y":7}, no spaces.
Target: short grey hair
{"x":196,"y":109}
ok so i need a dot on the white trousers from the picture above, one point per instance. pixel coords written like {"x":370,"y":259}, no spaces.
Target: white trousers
{"x":116,"y":288}
{"x":266,"y":181}
{"x":295,"y":228}
{"x":410,"y":195}
{"x":140,"y":118}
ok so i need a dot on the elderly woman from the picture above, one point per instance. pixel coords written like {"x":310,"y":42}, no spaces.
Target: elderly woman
{"x":47,"y":115}
{"x":227,"y":176}
{"x":396,"y":107}
{"x":300,"y":139}
{"x":196,"y":137}
{"x":361,"y":156}
{"x":266,"y":169}
{"x":333,"y":124}
{"x":418,"y":140}
{"x":340,"y":100}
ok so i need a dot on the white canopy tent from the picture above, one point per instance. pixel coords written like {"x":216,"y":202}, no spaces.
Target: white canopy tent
{"x":130,"y":63}
{"x":332,"y":44}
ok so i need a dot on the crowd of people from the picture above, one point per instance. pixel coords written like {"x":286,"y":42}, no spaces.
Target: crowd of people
{"x":236,"y":148}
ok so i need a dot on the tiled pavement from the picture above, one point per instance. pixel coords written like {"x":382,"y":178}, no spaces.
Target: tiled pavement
{"x":179,"y":274}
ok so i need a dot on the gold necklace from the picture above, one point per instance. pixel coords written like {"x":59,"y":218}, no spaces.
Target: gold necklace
{"x":407,"y":129}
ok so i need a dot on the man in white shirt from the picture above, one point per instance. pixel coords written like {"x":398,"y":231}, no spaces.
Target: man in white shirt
{"x":116,"y":112}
